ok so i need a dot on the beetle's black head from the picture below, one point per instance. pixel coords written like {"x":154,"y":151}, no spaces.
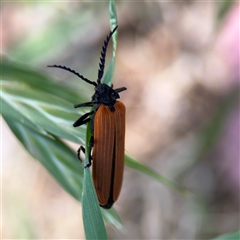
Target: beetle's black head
{"x":105,"y":95}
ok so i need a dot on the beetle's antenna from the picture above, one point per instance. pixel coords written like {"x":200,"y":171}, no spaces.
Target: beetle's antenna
{"x":74,"y":72}
{"x":103,"y":55}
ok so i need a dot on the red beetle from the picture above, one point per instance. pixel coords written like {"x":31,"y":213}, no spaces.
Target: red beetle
{"x":108,"y":134}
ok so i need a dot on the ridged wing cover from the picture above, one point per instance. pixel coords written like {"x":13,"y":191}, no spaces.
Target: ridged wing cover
{"x":108,"y":153}
{"x":120,"y":115}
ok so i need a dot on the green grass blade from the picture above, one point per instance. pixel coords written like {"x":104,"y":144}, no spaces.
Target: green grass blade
{"x":113,"y":24}
{"x":16,"y":72}
{"x":54,"y":155}
{"x":107,"y":79}
{"x":229,"y":236}
{"x":223,"y":8}
{"x":52,"y":114}
{"x":92,"y":217}
{"x":111,"y":217}
{"x":132,"y":163}
{"x":52,"y":38}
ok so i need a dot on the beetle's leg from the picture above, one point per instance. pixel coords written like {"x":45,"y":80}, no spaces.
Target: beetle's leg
{"x":120,"y":89}
{"x":90,"y":150}
{"x":83,"y":119}
{"x":80,"y":122}
{"x":86,"y":104}
{"x":92,"y":124}
{"x":91,"y":142}
{"x":81,"y":148}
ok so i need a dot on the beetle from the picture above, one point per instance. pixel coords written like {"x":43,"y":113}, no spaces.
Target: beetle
{"x":107,"y":120}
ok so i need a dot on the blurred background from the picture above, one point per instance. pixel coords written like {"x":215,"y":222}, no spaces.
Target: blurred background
{"x":180,"y":64}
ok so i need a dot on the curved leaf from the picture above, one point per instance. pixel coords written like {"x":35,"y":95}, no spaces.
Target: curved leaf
{"x":15,"y":72}
{"x":55,"y":156}
{"x":92,"y":217}
{"x":52,"y":114}
{"x":113,"y":23}
{"x":229,"y":236}
{"x":132,"y":163}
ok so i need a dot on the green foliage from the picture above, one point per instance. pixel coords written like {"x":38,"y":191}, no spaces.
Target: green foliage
{"x":55,"y":156}
{"x":223,"y":8}
{"x":229,"y":236}
{"x":92,"y":217}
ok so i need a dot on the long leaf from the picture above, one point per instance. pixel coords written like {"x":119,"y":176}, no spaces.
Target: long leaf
{"x":55,"y":115}
{"x":54,"y":155}
{"x":16,"y":72}
{"x":92,"y":218}
{"x":132,"y":163}
{"x":113,"y":23}
{"x":229,"y":236}
{"x":46,"y":43}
